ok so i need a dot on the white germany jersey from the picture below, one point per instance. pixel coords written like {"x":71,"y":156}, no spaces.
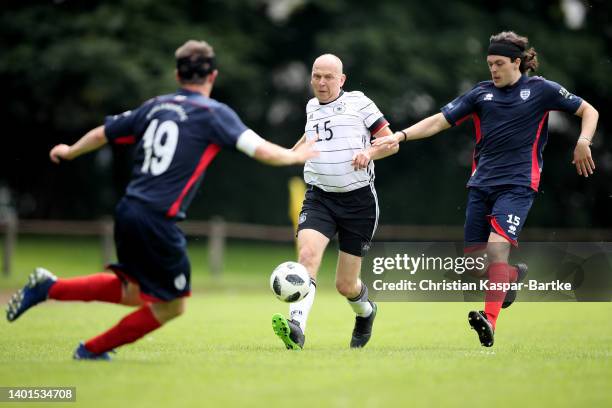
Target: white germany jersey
{"x":342,"y":127}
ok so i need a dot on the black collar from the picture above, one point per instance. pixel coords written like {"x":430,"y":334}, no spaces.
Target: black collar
{"x":339,"y":95}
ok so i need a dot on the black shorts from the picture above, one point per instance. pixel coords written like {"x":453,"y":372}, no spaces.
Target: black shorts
{"x":152,"y":252}
{"x":353,"y":215}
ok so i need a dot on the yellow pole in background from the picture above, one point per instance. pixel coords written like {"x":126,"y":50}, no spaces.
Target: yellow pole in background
{"x":297,"y":190}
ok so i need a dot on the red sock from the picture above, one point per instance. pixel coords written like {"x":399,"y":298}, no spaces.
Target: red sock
{"x":498,"y":272}
{"x":129,"y":329}
{"x":512,"y":273}
{"x":105,"y":287}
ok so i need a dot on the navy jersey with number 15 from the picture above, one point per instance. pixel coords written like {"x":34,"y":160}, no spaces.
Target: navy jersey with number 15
{"x":511,"y":126}
{"x":176,"y":136}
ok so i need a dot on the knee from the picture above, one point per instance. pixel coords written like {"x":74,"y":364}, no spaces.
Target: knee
{"x":346,"y":288}
{"x":307,"y":256}
{"x":495,"y":253}
{"x":169,"y":310}
{"x":179,"y":308}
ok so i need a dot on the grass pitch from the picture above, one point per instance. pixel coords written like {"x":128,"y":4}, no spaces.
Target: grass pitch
{"x":223,"y":352}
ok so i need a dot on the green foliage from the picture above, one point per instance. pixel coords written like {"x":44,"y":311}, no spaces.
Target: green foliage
{"x":67,"y":64}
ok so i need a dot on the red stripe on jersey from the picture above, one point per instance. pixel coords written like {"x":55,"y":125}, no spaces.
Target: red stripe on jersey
{"x":125,"y":140}
{"x":478,"y":138}
{"x":208,"y":155}
{"x":535,"y":166}
{"x":379,"y":126}
{"x":463,"y":119}
{"x":500,"y":231}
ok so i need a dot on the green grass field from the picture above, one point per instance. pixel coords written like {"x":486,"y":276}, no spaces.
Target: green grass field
{"x":223,"y":352}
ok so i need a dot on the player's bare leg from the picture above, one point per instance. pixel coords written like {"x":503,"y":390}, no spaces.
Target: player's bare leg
{"x":130,"y":295}
{"x":311,"y":246}
{"x":166,"y":311}
{"x":350,"y":286}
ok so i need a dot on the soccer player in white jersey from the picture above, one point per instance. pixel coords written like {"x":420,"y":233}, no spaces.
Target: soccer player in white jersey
{"x":340,"y":197}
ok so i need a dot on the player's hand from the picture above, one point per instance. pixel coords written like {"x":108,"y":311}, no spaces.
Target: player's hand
{"x":360,"y":160}
{"x":582,"y":158}
{"x":305,"y":151}
{"x":390,"y":142}
{"x":60,"y":152}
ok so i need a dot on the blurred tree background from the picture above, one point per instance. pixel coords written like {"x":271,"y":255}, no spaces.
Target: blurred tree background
{"x":66,"y":64}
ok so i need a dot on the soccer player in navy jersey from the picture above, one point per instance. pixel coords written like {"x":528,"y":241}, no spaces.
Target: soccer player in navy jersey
{"x":510,"y":114}
{"x":176,"y":137}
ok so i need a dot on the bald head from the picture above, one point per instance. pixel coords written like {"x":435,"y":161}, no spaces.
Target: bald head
{"x":327,"y":78}
{"x":328,"y":61}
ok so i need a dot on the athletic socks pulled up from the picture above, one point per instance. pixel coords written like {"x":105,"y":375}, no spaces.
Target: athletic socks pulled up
{"x":299,"y":311}
{"x":360,"y":303}
{"x":498,"y":272}
{"x":128,"y":330}
{"x":104,"y":287}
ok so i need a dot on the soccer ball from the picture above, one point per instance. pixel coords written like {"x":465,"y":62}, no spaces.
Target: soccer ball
{"x":290,"y":282}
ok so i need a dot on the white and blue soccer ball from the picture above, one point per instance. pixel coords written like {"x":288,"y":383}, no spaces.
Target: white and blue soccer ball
{"x":290,"y":282}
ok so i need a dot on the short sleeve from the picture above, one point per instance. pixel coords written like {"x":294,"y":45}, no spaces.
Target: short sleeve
{"x":460,"y":107}
{"x":124,"y":127}
{"x":227,"y":126}
{"x":373,"y":118}
{"x":560,"y":99}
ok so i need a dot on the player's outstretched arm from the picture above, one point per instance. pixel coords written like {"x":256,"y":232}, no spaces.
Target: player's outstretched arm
{"x":361,"y":159}
{"x":93,"y":140}
{"x":260,"y":149}
{"x":425,"y":128}
{"x":276,"y":155}
{"x":582,"y":153}
{"x":299,"y":142}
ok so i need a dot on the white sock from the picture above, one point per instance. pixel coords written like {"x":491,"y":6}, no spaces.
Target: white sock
{"x":298,"y":311}
{"x":360,"y":303}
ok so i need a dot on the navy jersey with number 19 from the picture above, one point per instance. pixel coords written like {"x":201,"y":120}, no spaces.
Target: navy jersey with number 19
{"x":176,"y":136}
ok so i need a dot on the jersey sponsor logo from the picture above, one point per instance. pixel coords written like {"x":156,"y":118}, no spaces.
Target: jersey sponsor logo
{"x":126,"y":113}
{"x":178,"y":109}
{"x":565,"y":93}
{"x":525,"y":94}
{"x":180,"y":282}
{"x":488,"y":97}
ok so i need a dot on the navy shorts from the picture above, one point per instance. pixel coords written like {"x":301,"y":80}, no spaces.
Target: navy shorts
{"x":151,"y":250}
{"x":353,"y":215}
{"x":499,"y":209}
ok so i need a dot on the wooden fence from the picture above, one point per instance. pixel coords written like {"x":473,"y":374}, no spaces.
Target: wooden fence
{"x":218,"y":231}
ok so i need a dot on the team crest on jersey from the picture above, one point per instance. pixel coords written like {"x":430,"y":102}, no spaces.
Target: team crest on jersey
{"x":302,"y":218}
{"x":488,"y":97}
{"x":525,"y":94}
{"x":340,"y":108}
{"x":180,"y":282}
